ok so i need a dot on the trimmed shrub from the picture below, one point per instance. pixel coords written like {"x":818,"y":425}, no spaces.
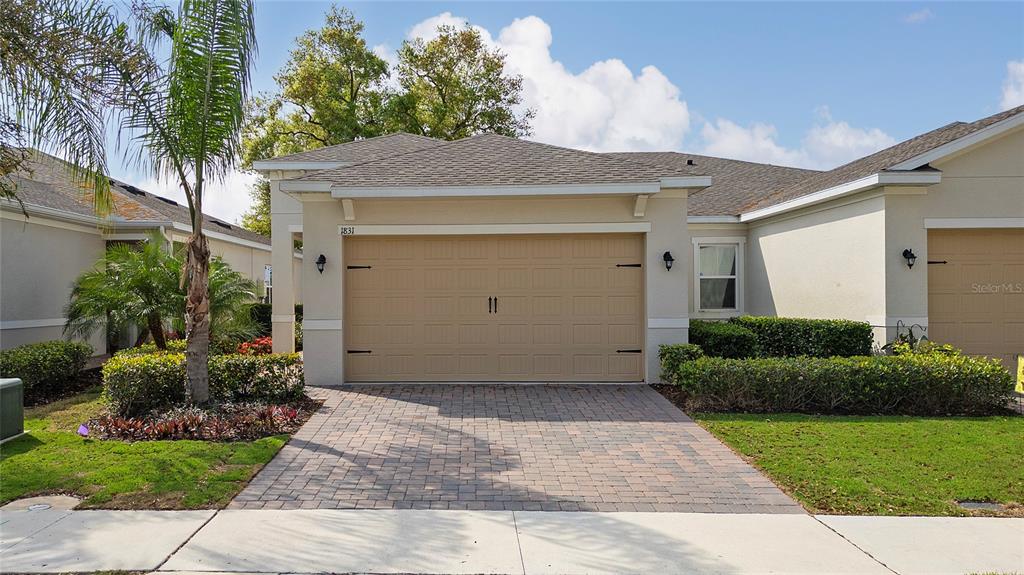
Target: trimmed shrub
{"x":722,"y":339}
{"x":136,"y":384}
{"x":45,"y":368}
{"x":791,"y":337}
{"x":672,"y":357}
{"x":173,"y":346}
{"x":867,"y":385}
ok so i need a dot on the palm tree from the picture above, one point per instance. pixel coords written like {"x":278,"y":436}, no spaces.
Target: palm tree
{"x":129,"y":286}
{"x":187,"y":118}
{"x":139,"y":285}
{"x":58,"y":74}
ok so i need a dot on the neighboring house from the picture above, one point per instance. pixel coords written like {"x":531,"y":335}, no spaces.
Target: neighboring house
{"x":497,"y":259}
{"x":42,"y":254}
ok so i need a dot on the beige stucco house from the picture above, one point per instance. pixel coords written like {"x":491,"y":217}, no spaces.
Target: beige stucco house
{"x":497,"y":259}
{"x":55,"y":236}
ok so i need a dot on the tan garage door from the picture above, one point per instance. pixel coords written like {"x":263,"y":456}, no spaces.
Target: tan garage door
{"x":976,"y":298}
{"x":494,"y":308}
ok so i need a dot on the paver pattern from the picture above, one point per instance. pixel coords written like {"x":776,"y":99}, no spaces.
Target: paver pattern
{"x":508,"y":447}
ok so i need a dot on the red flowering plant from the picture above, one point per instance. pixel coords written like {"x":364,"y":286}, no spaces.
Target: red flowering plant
{"x":258,"y":346}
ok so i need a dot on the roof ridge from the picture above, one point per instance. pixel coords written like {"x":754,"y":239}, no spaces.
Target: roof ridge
{"x":691,"y":154}
{"x":603,"y":155}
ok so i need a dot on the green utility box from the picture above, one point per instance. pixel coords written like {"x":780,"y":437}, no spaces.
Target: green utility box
{"x":12,"y":408}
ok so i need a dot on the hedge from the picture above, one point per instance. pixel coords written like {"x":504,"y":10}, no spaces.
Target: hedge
{"x":722,"y":339}
{"x":136,"y":384}
{"x":791,"y":337}
{"x":916,"y":384}
{"x":45,"y":368}
{"x":173,"y":346}
{"x":672,"y":357}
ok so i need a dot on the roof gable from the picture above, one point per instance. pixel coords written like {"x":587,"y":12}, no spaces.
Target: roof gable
{"x":889,"y":158}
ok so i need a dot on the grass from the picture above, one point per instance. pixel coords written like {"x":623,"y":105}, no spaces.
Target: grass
{"x":883,"y":465}
{"x":52,"y":458}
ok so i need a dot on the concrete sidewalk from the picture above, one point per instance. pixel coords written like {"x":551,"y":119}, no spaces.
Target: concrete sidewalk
{"x":521,"y":542}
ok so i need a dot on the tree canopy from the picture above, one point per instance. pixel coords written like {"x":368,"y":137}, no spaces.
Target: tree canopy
{"x":335,"y":89}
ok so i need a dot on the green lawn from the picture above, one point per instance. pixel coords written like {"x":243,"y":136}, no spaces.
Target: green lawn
{"x":52,"y":458}
{"x":883,"y":465}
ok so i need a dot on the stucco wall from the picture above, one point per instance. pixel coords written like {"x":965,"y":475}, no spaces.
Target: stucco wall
{"x":667,"y":292}
{"x":821,"y":263}
{"x":38,"y":265}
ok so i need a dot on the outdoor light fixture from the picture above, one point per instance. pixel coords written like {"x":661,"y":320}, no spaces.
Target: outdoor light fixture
{"x":669,"y":260}
{"x":320,"y":263}
{"x":911,"y":258}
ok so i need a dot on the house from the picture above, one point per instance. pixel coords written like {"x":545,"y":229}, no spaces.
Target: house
{"x":55,"y":236}
{"x":497,"y":259}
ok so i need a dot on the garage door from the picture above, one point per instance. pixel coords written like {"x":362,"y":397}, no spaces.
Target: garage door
{"x":494,"y":308}
{"x":976,"y":291}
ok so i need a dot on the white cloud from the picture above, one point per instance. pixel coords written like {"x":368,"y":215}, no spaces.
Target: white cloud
{"x":605,"y":107}
{"x":919,"y":16}
{"x":1013,"y":85}
{"x":227,"y":200}
{"x":827,"y":144}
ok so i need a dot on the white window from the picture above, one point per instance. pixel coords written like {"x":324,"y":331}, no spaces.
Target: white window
{"x":717,"y":282}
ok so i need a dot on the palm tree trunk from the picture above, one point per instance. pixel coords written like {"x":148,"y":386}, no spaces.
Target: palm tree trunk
{"x":156,"y":327}
{"x":197,"y":314}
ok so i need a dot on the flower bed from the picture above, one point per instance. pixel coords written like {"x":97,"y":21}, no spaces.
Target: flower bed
{"x":224,"y":422}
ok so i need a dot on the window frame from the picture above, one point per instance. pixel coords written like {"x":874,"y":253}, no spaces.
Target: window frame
{"x":739,"y":243}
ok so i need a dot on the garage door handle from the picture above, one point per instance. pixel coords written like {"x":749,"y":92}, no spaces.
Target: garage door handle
{"x":490,"y":303}
{"x":628,"y":265}
{"x":629,"y":351}
{"x":358,"y":351}
{"x":938,"y":262}
{"x":495,"y":304}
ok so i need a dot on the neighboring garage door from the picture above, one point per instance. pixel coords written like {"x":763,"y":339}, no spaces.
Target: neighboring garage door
{"x":494,"y":308}
{"x":976,"y":291}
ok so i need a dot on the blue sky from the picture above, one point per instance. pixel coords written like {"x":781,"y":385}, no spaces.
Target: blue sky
{"x":810,"y":84}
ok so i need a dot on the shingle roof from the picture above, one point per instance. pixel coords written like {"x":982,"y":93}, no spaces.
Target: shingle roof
{"x":364,"y":150}
{"x":48,"y":183}
{"x":882,"y":160}
{"x":734,"y":183}
{"x":493,"y":160}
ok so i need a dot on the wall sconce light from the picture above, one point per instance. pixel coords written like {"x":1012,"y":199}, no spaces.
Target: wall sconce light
{"x":669,"y":260}
{"x":911,"y":258}
{"x":320,"y":263}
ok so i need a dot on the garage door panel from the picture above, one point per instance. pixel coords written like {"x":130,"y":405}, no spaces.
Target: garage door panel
{"x":973,"y":299}
{"x":563,"y":308}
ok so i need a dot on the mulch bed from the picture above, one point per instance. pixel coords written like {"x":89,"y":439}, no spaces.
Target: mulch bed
{"x":673,"y":393}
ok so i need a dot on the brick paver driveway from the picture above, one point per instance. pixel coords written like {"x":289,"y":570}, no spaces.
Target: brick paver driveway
{"x":528,"y":447}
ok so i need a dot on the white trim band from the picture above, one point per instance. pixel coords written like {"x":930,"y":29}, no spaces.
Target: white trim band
{"x":281,"y":318}
{"x":31,"y":323}
{"x":925,"y":178}
{"x":490,"y":229}
{"x":481,"y":191}
{"x":321,"y":325}
{"x":956,"y":223}
{"x":668,"y":323}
